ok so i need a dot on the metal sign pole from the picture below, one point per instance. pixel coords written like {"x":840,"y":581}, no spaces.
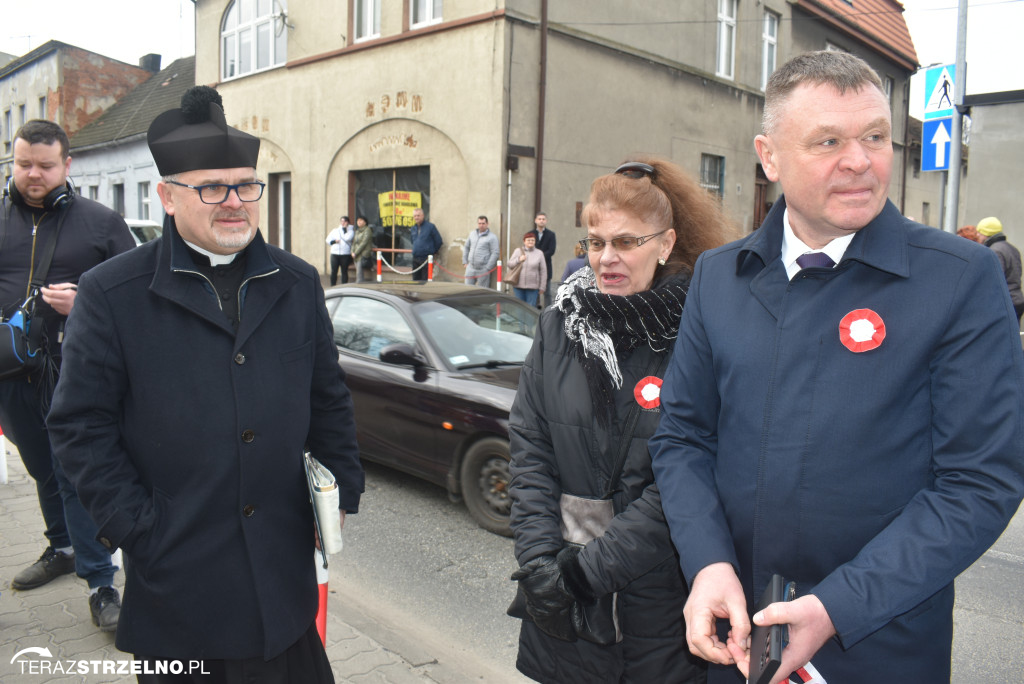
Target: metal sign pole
{"x":952,"y":213}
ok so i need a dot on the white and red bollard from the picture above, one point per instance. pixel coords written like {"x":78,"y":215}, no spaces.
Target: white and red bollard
{"x":3,"y":457}
{"x":497,"y":283}
{"x":430,"y":268}
{"x":380,"y":276}
{"x":321,"y":581}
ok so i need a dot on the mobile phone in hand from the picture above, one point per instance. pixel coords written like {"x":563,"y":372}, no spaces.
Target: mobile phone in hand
{"x":767,"y":642}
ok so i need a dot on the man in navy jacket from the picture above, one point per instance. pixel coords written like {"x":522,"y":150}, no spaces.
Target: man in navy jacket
{"x":426,"y":240}
{"x":852,"y":422}
{"x":198,"y":368}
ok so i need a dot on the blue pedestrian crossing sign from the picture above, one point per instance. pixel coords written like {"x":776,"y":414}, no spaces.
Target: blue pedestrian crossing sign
{"x":938,"y":91}
{"x":935,"y":137}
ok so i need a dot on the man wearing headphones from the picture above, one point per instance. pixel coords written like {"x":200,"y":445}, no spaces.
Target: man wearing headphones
{"x":39,"y":200}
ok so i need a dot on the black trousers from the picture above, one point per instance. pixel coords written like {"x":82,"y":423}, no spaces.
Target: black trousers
{"x":304,"y":661}
{"x":421,"y":274}
{"x":340,"y":262}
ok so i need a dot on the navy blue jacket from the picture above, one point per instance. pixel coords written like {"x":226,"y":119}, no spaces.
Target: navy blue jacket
{"x":871,"y":479}
{"x":425,"y":240}
{"x":184,"y":441}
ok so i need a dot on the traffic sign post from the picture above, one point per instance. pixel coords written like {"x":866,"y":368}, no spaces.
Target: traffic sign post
{"x":936,"y":135}
{"x":939,"y":91}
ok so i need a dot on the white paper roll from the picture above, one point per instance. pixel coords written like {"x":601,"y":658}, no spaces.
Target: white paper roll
{"x":326,"y":503}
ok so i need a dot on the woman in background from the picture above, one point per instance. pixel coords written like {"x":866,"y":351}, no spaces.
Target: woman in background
{"x":362,"y":248}
{"x":534,"y":273}
{"x":576,"y":263}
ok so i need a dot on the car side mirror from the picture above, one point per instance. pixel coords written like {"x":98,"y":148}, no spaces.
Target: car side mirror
{"x":402,"y":354}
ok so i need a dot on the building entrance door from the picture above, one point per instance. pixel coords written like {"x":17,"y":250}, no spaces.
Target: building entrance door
{"x":387,"y":198}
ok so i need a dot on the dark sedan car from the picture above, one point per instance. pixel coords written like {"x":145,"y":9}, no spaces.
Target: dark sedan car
{"x":433,"y":369}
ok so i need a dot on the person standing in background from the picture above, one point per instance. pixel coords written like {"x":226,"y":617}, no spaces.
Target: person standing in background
{"x":426,"y":241}
{"x":991,"y":231}
{"x":533,"y":275}
{"x":38,"y":201}
{"x":340,"y":239}
{"x":576,"y":263}
{"x":546,"y":243}
{"x":480,"y":254}
{"x":362,"y":248}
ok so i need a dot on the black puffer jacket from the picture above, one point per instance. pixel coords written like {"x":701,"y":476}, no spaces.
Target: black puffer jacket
{"x":558,"y":446}
{"x":91,"y":233}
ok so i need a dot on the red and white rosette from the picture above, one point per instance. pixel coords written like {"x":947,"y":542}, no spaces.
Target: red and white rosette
{"x":861,"y":330}
{"x":648,"y":392}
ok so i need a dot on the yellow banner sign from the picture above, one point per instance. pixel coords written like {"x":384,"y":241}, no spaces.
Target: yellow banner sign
{"x":396,"y":207}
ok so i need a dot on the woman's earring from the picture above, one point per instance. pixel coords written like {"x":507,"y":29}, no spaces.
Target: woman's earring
{"x":661,"y":262}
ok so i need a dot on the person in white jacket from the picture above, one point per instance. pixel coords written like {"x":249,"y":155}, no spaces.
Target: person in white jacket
{"x":340,"y":241}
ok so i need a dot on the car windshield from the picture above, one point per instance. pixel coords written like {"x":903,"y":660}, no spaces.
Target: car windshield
{"x":479,"y":331}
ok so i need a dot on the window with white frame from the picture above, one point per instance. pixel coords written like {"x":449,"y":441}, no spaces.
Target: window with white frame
{"x":725,"y":62}
{"x":42,"y":107}
{"x":425,"y":12}
{"x":254,"y":36}
{"x":769,"y":46}
{"x":367,"y":19}
{"x":94,"y":192}
{"x":144,"y":200}
{"x":712,"y":173}
{"x":888,"y":83}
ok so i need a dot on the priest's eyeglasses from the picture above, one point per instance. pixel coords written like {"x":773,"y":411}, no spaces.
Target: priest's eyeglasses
{"x":218,"y":193}
{"x":620,"y":244}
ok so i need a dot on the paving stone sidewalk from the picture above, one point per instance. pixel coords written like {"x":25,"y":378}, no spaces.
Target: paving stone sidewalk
{"x":56,"y":617}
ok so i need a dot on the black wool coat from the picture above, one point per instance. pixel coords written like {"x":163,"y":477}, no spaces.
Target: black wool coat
{"x":184,"y":440}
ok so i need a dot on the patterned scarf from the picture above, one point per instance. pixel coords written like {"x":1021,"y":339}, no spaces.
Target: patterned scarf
{"x":602,"y":328}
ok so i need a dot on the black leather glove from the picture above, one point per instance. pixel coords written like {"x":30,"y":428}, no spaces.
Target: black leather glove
{"x":573,"y":578}
{"x":547,"y":600}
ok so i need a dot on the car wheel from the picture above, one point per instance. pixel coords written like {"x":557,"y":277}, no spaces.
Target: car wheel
{"x":485,"y":484}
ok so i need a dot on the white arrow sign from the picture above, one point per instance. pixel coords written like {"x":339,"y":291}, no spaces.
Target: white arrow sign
{"x":940,"y":139}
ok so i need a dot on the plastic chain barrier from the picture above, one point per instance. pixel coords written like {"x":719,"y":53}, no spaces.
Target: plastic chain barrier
{"x":497,"y":268}
{"x":381,"y":260}
{"x":429,"y":263}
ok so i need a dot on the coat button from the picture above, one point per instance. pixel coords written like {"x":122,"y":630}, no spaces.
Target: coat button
{"x":107,"y":543}
{"x":248,"y":436}
{"x":248,"y":511}
{"x":239,"y":358}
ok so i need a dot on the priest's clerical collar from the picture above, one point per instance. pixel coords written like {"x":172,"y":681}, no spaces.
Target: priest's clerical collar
{"x":215,"y":259}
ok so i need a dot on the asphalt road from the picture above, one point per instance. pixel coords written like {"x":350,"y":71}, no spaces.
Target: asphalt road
{"x":988,"y":628}
{"x":420,"y":561}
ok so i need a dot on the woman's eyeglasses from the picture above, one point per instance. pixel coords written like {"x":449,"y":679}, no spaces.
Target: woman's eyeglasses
{"x":619,"y":244}
{"x":635,"y":170}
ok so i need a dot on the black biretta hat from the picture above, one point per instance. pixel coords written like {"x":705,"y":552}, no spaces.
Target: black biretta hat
{"x":198,"y":137}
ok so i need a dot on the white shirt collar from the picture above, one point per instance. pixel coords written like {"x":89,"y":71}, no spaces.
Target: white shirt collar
{"x":215,"y":259}
{"x":793,"y":247}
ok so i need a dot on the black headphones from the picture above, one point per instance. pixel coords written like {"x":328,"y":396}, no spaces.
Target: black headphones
{"x":55,"y":200}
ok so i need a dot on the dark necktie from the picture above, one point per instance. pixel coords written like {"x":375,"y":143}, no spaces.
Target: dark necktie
{"x":815,"y":260}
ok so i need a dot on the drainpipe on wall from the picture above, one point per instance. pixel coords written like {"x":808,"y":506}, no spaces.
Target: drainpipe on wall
{"x":906,"y":149}
{"x":540,"y":105}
